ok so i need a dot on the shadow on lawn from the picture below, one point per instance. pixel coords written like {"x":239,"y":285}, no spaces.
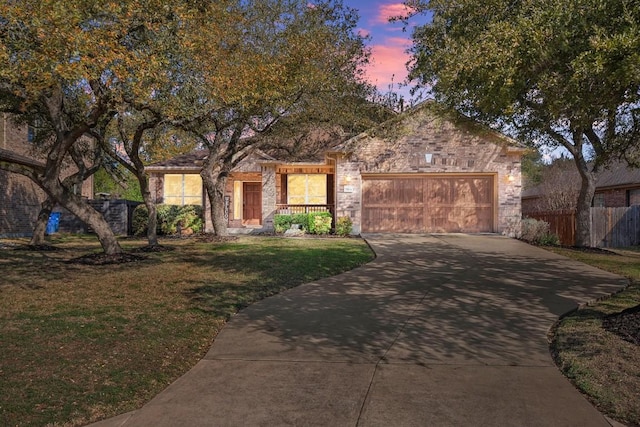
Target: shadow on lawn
{"x":256,"y":271}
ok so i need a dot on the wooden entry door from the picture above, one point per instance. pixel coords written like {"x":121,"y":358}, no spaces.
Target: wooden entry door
{"x":251,"y":203}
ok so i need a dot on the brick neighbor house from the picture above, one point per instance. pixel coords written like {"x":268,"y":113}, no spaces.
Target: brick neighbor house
{"x":21,"y":198}
{"x":417,"y":173}
{"x":617,"y":186}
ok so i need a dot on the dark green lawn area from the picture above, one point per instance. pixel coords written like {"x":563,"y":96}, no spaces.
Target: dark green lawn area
{"x":85,"y":342}
{"x":605,"y":367}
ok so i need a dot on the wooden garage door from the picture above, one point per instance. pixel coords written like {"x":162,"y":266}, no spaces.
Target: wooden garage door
{"x":428,"y":204}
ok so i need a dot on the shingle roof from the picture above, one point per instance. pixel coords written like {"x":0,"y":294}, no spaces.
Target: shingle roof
{"x":617,"y":174}
{"x":192,"y":159}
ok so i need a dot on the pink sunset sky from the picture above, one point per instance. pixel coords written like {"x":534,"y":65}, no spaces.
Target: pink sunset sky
{"x":388,"y":43}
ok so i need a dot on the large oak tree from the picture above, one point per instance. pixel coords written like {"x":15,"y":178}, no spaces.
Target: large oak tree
{"x":555,"y":72}
{"x":222,"y":70}
{"x":263,"y":68}
{"x":71,"y":64}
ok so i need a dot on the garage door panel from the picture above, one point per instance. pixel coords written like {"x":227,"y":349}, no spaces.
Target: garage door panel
{"x":399,"y":219}
{"x":379,"y":192}
{"x":428,"y":204}
{"x":409,"y":192}
{"x":379,"y":218}
{"x":409,"y":219}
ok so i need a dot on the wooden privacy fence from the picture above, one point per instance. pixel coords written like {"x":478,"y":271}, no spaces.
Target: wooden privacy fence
{"x":610,"y":227}
{"x":561,"y":223}
{"x":615,"y":227}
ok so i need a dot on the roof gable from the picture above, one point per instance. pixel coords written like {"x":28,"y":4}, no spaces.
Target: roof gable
{"x":425,"y":140}
{"x":429,"y":115}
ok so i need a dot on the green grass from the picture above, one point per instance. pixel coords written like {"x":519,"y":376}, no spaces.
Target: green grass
{"x":81,"y":343}
{"x":602,"y":365}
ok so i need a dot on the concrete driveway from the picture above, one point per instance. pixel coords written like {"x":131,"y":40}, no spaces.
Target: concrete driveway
{"x":444,"y":330}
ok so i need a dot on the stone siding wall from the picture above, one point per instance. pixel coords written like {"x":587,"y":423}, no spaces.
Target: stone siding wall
{"x":269,"y":194}
{"x":424,"y":143}
{"x":348,"y":191}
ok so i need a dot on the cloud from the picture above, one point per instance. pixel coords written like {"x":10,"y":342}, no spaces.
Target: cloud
{"x":387,"y":11}
{"x":364,"y":32}
{"x":388,"y":63}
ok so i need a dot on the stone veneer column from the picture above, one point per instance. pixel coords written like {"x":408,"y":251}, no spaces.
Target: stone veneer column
{"x":268,"y":195}
{"x":348,"y":203}
{"x":509,"y":194}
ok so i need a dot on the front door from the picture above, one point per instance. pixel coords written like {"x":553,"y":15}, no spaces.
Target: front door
{"x":252,"y":203}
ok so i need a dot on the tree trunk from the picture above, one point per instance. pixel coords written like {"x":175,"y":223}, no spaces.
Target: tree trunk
{"x":152,"y":222}
{"x":218,"y":214}
{"x":81,"y":209}
{"x":41,"y":223}
{"x":98,"y":224}
{"x":215,"y":192}
{"x":215,"y":182}
{"x":585,"y":197}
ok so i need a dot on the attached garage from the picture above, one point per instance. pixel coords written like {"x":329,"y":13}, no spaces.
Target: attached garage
{"x":429,"y":203}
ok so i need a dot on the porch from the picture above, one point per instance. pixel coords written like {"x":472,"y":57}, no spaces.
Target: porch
{"x":286,"y":209}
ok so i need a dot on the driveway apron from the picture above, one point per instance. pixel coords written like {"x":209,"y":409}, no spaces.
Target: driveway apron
{"x":439,"y":330}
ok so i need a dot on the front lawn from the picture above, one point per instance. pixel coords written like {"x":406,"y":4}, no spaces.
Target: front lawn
{"x":82,"y":342}
{"x":592,"y":353}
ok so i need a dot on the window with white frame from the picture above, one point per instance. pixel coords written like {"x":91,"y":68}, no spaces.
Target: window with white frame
{"x":306,"y":189}
{"x":183,"y":189}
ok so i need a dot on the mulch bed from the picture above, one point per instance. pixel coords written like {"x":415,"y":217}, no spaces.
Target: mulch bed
{"x":104,"y":259}
{"x":625,"y":324}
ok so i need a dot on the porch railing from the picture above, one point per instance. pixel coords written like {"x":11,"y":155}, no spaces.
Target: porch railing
{"x":293,"y":209}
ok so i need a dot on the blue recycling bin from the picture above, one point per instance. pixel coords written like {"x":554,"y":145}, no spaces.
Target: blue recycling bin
{"x":54,"y":223}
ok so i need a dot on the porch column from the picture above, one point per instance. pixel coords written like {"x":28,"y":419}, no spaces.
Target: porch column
{"x":268,"y":195}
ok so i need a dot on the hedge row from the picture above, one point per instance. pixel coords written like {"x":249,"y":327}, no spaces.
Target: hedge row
{"x":189,"y":217}
{"x":313,"y":223}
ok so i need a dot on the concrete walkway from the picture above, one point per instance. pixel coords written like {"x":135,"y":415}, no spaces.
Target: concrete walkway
{"x":446,"y":330}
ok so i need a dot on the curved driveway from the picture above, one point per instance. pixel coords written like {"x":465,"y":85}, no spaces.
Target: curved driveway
{"x":444,"y":330}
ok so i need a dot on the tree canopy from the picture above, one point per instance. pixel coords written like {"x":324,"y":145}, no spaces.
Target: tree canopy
{"x":274,"y":65}
{"x":218,"y":70}
{"x":553,"y":72}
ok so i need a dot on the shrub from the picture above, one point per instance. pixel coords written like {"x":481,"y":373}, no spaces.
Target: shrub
{"x":302,"y":219}
{"x":166,"y":218}
{"x":549,"y":239}
{"x":514,"y":227}
{"x":140,"y":220}
{"x":320,"y":222}
{"x":537,"y":232}
{"x":169,"y":216}
{"x":190,"y":218}
{"x":282,"y":222}
{"x":344,"y":225}
{"x":313,"y":223}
